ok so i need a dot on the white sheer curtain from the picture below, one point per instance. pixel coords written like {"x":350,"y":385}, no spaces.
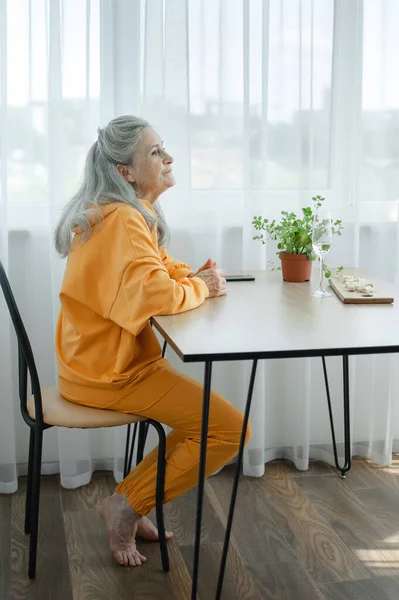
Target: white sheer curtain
{"x":262,"y":104}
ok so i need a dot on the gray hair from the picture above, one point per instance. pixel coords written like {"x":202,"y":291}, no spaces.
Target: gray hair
{"x":103,"y":184}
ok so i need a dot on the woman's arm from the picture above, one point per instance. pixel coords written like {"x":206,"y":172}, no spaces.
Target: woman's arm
{"x":176,"y":269}
{"x":146,"y":288}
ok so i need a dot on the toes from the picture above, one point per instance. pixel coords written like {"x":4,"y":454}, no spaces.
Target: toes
{"x":136,"y":559}
{"x":133,"y":560}
{"x":119,"y":557}
{"x":169,"y":535}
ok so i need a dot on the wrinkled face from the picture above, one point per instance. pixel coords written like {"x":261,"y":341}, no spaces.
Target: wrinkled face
{"x":151,"y":173}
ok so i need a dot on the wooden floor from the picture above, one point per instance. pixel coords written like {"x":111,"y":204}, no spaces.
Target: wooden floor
{"x":297,"y":536}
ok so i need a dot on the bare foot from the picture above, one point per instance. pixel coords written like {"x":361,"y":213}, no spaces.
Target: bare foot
{"x":121,"y":522}
{"x":148,"y":531}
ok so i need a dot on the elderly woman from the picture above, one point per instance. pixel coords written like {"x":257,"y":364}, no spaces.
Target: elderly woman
{"x":118,"y":276}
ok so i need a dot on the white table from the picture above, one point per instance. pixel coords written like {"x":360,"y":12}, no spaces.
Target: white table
{"x":268,"y":318}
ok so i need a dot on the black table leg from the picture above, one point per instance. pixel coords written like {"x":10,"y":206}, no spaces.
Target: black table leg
{"x":235,"y":483}
{"x":347,"y":436}
{"x":201,"y":476}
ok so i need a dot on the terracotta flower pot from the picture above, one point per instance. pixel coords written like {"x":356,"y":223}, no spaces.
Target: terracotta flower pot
{"x":295,"y":267}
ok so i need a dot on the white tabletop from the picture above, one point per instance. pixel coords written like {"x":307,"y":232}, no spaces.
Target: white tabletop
{"x":269,"y":318}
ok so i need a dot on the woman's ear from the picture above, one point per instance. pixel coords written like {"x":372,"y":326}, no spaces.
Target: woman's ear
{"x":124,"y":171}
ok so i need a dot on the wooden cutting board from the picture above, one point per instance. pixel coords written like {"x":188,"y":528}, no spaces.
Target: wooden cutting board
{"x":382,"y":294}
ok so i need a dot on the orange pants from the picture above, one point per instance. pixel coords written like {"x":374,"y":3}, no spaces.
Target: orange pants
{"x":171,"y":398}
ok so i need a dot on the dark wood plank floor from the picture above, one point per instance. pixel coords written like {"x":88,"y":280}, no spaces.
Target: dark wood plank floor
{"x":296,"y":536}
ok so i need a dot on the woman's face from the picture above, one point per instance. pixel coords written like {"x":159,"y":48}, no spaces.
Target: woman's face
{"x":151,"y":173}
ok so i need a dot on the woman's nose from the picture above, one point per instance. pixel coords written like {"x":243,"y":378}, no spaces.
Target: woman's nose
{"x":168,"y":160}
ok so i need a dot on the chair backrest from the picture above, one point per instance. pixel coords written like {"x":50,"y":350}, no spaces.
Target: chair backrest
{"x":26,"y":361}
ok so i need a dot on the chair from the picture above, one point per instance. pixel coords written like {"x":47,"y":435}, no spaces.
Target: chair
{"x":46,"y":408}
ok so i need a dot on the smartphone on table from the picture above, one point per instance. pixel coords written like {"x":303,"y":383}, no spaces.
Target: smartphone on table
{"x":240,"y":277}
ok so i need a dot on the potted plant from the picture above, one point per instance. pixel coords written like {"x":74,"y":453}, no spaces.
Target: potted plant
{"x":293,"y":235}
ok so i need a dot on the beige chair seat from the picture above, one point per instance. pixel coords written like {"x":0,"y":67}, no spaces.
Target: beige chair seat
{"x":62,"y":413}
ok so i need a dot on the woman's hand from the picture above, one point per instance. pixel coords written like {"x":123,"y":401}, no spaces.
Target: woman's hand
{"x":215,"y":281}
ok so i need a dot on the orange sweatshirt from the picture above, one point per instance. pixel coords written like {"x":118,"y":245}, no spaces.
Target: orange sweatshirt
{"x":113,"y":284}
